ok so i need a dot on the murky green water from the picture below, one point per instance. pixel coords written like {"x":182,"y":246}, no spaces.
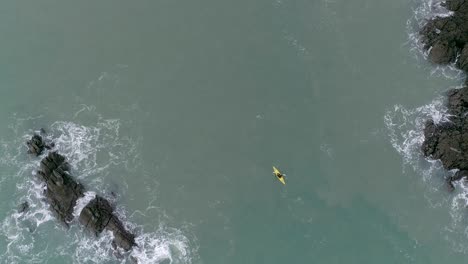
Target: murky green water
{"x":182,"y":107}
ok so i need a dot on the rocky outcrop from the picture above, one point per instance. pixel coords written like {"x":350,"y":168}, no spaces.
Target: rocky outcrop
{"x":62,"y":192}
{"x":98,"y":215}
{"x":36,"y":144}
{"x":23,"y":207}
{"x":446,"y":39}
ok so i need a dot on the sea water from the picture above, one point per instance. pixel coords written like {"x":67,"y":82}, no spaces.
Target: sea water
{"x":176,"y":111}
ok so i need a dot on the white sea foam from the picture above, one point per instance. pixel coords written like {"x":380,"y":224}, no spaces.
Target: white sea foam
{"x":92,"y":150}
{"x":406,"y":132}
{"x":82,"y":202}
{"x":19,"y":227}
{"x":90,"y":249}
{"x":162,"y":245}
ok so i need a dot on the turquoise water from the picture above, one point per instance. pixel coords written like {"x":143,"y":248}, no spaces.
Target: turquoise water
{"x":181,"y":108}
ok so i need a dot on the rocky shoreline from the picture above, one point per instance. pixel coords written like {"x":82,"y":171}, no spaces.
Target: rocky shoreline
{"x":446,"y":40}
{"x":63,"y":191}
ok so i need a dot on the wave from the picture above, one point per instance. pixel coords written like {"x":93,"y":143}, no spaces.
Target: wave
{"x":406,"y":131}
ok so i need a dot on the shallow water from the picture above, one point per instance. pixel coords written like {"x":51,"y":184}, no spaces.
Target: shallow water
{"x":181,"y":109}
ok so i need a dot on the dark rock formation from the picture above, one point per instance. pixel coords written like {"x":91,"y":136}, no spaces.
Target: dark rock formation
{"x":458,"y":176}
{"x":62,"y":193}
{"x":446,"y":38}
{"x":36,"y":144}
{"x":462,"y":62}
{"x":97,"y":216}
{"x":122,"y":237}
{"x":24,"y":206}
{"x":448,"y":141}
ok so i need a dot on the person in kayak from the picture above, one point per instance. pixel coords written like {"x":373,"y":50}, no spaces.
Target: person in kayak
{"x":279,"y":175}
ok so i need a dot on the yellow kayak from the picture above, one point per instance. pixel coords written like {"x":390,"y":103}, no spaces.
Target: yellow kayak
{"x":278,"y":175}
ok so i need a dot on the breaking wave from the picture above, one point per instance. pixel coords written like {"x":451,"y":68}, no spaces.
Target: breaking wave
{"x":406,"y":131}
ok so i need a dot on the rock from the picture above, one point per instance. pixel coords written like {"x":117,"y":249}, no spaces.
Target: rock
{"x":450,"y":186}
{"x":446,"y":37}
{"x":455,"y":5}
{"x":24,"y":206}
{"x":122,"y":237}
{"x":62,"y":193}
{"x":458,"y":176}
{"x":462,"y":62}
{"x":443,"y":52}
{"x":133,"y":260}
{"x":35,"y":145}
{"x":98,"y":215}
{"x":448,"y":141}
{"x":444,"y":142}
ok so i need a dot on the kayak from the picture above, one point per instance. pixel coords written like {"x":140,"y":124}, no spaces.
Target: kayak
{"x":278,"y":175}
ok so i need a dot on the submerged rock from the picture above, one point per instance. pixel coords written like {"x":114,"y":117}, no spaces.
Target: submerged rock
{"x":456,"y":177}
{"x":24,"y":206}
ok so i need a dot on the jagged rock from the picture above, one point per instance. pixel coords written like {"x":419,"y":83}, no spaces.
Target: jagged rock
{"x":122,"y":237}
{"x":456,"y":5}
{"x":443,"y":52}
{"x":97,"y":216}
{"x":62,"y":193}
{"x":445,"y":37}
{"x":462,"y":62}
{"x":24,"y":206}
{"x":448,"y":141}
{"x":458,"y":176}
{"x":36,"y":144}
